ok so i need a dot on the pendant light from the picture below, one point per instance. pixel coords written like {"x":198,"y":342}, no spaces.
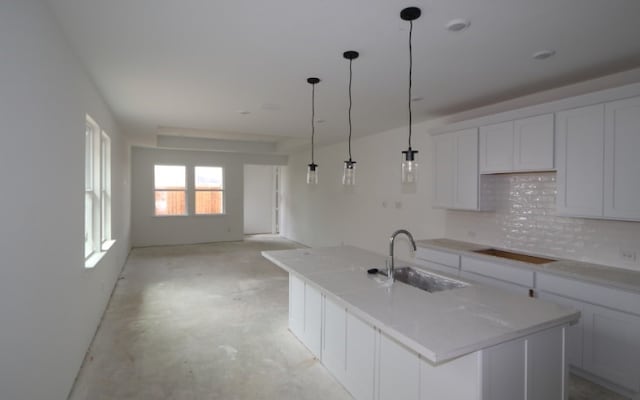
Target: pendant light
{"x":349,"y":174}
{"x":409,"y":164}
{"x":312,"y":170}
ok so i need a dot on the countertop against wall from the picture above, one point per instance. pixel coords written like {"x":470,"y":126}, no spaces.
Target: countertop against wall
{"x":618,"y":278}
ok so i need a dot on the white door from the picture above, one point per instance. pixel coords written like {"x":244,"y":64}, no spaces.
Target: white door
{"x":399,"y":373}
{"x":259,"y":206}
{"x":312,"y":319}
{"x":334,"y":338}
{"x":359,"y":375}
{"x":296,"y":306}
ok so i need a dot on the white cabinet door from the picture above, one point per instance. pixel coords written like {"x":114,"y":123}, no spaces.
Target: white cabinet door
{"x":360,"y":363}
{"x":533,"y":143}
{"x":312,"y":319}
{"x":466,"y":171}
{"x":496,"y":148}
{"x":334,"y":339}
{"x":296,"y":306}
{"x":574,"y":332}
{"x":399,"y":371}
{"x":444,"y":168}
{"x":456,"y":170}
{"x":621,"y":161}
{"x":580,"y":161}
{"x":612,"y":345}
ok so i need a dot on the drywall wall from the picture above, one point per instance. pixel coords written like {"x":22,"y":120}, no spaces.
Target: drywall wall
{"x":258,"y":199}
{"x":150,"y":230}
{"x":50,"y":305}
{"x":365,"y":215}
{"x":525,"y":220}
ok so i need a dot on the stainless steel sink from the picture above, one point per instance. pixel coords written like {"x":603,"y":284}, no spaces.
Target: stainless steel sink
{"x":426,"y":281}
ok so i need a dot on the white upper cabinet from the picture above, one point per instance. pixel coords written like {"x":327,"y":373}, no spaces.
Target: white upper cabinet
{"x":456,"y":170}
{"x":621,"y":159}
{"x":597,"y":159}
{"x":580,"y":161}
{"x":517,"y":146}
{"x":533,"y":143}
{"x":496,"y":148}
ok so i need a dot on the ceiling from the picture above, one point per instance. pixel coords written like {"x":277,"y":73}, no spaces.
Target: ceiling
{"x":196,"y":64}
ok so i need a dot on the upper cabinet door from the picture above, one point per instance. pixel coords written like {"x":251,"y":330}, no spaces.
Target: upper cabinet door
{"x":466,"y":170}
{"x":444,"y":158}
{"x":580,"y":161}
{"x":496,"y":148}
{"x":533,"y":143}
{"x":622,"y":159}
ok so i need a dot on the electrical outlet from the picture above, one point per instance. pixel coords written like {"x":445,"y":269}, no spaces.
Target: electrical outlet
{"x":628,"y":255}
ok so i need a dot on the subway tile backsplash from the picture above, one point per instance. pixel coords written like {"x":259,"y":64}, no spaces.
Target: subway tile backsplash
{"x":525,"y":220}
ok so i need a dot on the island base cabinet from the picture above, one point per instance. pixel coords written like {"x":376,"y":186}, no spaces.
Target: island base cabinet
{"x":305,"y":313}
{"x":398,"y":372}
{"x":455,"y":379}
{"x":360,"y":360}
{"x":334,"y":339}
{"x":533,"y":368}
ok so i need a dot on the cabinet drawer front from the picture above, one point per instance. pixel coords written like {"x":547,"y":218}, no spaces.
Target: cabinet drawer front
{"x":493,"y":282}
{"x":439,"y":257}
{"x":506,"y":273}
{"x":591,"y":293}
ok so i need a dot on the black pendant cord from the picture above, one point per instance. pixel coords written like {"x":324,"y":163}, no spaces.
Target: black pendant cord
{"x":313,"y":115}
{"x":350,"y":102}
{"x":410,"y":78}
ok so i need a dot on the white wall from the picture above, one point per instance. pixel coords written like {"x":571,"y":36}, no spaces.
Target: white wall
{"x":258,"y":199}
{"x":50,"y":305}
{"x":149,"y":230}
{"x":328,"y":214}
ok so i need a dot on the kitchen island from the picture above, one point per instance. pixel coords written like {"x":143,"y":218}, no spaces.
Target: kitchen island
{"x":395,"y":341}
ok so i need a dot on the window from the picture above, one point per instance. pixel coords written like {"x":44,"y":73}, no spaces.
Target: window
{"x":97,"y":193}
{"x":209,"y":190}
{"x":170,"y":190}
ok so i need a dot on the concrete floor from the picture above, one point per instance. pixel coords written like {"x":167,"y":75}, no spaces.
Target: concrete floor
{"x":210,"y":322}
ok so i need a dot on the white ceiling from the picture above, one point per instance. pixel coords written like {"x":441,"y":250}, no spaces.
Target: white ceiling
{"x":195,"y":64}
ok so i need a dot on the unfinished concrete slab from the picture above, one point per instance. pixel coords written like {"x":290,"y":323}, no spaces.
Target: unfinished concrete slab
{"x":209,"y":321}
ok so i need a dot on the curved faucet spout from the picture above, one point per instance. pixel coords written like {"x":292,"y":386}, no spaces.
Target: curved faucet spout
{"x":392,"y":240}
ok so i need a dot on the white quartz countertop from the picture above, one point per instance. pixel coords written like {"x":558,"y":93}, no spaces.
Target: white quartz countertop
{"x":440,"y":326}
{"x":619,"y":278}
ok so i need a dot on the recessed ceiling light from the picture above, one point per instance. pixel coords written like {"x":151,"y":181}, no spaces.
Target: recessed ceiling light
{"x":244,"y":112}
{"x":543,"y":54}
{"x":458,"y":25}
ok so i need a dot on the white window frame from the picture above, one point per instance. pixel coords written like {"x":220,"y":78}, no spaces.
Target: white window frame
{"x":222,"y":190}
{"x":97,"y":216}
{"x":185,"y":191}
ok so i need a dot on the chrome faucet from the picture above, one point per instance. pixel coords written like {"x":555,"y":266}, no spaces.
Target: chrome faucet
{"x":392,"y":240}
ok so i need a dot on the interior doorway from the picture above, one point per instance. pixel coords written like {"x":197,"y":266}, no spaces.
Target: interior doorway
{"x":262,"y":187}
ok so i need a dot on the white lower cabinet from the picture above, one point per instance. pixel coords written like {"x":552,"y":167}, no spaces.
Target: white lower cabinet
{"x":612,"y":345}
{"x":606,"y":341}
{"x":513,"y":279}
{"x":360,"y":360}
{"x":399,"y":371}
{"x":334,"y":338}
{"x":305,"y":313}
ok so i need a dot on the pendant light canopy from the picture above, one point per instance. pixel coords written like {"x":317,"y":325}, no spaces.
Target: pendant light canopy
{"x":349,"y":173}
{"x":409,"y":164}
{"x":312,"y":170}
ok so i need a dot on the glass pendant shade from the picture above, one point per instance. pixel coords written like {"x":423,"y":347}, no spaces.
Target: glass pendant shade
{"x":312,"y":174}
{"x":409,"y":166}
{"x":349,"y":173}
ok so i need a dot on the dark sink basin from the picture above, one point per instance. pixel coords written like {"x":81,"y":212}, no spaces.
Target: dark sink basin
{"x":514,"y":256}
